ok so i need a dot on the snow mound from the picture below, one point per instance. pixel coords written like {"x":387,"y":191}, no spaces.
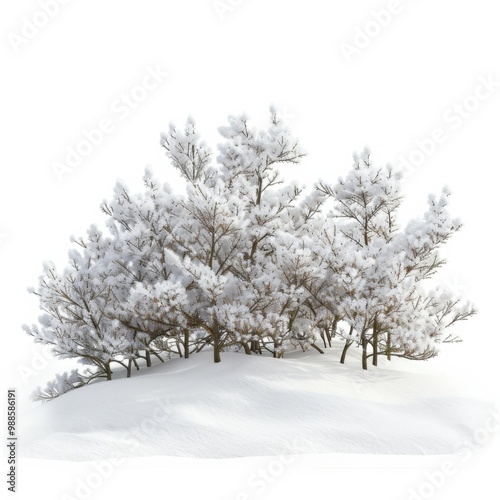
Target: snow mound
{"x":256,"y":406}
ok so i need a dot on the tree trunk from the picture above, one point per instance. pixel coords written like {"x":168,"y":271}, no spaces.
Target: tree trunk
{"x":148,"y":358}
{"x":375,"y":343}
{"x":388,"y":347}
{"x":318,"y":349}
{"x":247,"y":349}
{"x":364,"y":344}
{"x":334,"y":331}
{"x":276,"y":354}
{"x":323,"y":337}
{"x":215,"y":334}
{"x":108,"y":372}
{"x":186,"y":343}
{"x":334,"y":327}
{"x":344,"y":351}
{"x":129,"y":368}
{"x":216,"y":352}
{"x":259,"y":348}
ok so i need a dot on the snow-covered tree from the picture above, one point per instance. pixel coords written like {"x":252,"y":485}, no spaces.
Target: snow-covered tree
{"x":374,"y":271}
{"x":235,"y":220}
{"x":142,"y":257}
{"x":76,"y":304}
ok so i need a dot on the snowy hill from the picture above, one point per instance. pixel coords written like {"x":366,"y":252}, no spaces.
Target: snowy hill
{"x":256,"y":406}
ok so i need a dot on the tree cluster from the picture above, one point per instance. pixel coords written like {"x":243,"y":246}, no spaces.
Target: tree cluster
{"x":244,"y":261}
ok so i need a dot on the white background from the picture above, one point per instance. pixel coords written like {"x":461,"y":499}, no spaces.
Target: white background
{"x":428,"y":58}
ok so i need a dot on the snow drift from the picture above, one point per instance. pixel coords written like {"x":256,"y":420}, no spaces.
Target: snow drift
{"x":256,"y":406}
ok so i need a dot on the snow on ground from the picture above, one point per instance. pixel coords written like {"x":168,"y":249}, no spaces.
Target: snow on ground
{"x":256,"y":406}
{"x":318,"y":477}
